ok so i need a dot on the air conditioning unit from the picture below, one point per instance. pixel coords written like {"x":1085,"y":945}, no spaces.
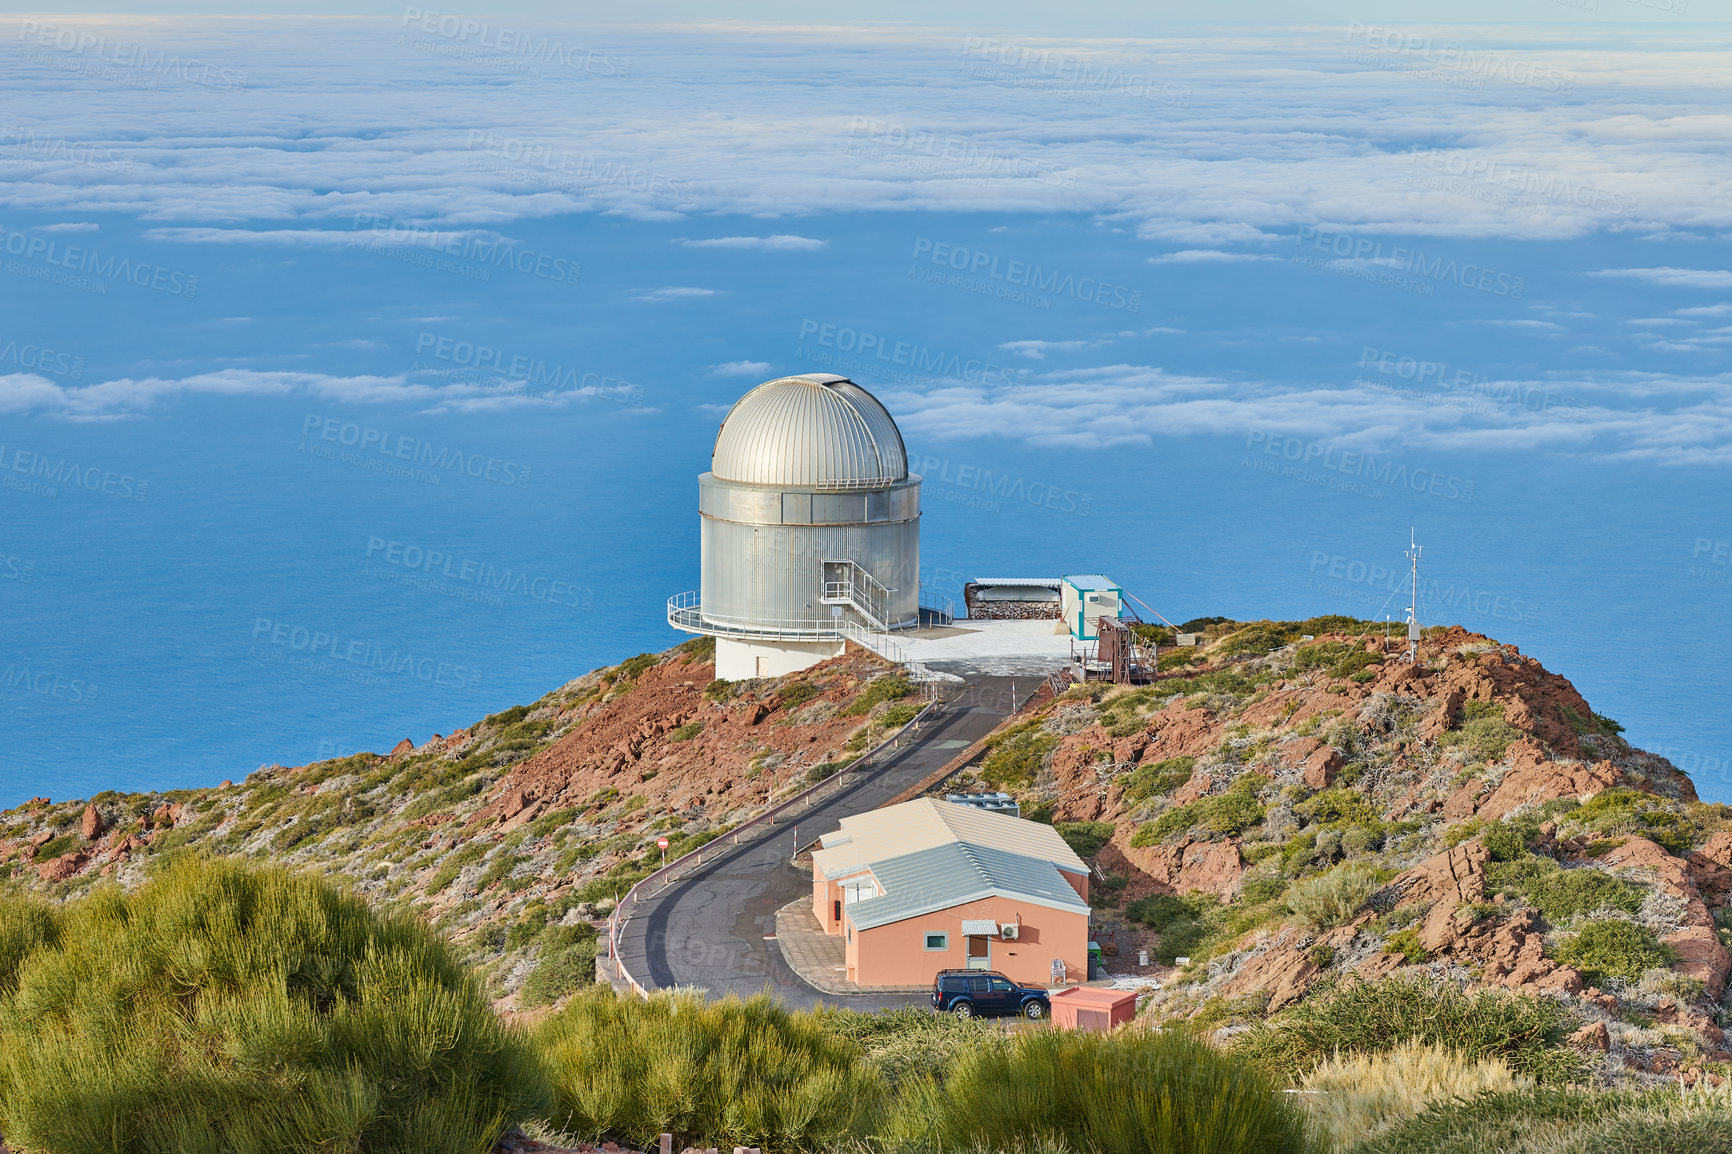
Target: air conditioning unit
{"x":1008,"y":931}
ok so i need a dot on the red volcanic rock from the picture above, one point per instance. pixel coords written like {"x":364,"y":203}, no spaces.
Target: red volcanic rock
{"x":92,"y":825}
{"x":1198,"y":786}
{"x":401,"y":749}
{"x":1593,"y":1036}
{"x":1321,"y":767}
{"x":63,"y":867}
{"x":1700,"y":953}
{"x":1534,"y":778}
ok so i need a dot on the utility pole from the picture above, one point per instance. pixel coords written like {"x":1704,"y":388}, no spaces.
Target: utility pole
{"x":1413,"y":551}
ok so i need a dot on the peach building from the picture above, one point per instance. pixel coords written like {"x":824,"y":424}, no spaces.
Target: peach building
{"x":928,"y":886}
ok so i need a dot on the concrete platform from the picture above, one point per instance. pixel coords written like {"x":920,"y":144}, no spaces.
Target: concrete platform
{"x":820,"y":958}
{"x":998,"y":648}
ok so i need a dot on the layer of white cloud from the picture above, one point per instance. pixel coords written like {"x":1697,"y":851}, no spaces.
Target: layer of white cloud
{"x":1207,"y":256}
{"x":1708,"y":278}
{"x":780,"y":243}
{"x":1213,"y":142}
{"x":675,"y":293}
{"x":741,"y":369}
{"x":25,"y":393}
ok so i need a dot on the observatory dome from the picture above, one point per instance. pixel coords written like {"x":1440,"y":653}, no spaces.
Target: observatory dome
{"x":816,"y":430}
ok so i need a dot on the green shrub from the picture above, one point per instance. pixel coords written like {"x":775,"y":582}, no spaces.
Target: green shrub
{"x":1503,"y":843}
{"x":1126,"y":1092}
{"x":898,"y":715}
{"x":1560,"y":894}
{"x":718,"y":689}
{"x":726,"y":1073}
{"x":1406,"y":943}
{"x":1085,"y":837}
{"x":567,"y":965}
{"x":633,"y":668}
{"x":55,"y":846}
{"x":1151,"y":779}
{"x":1484,"y":738}
{"x":1615,"y":948}
{"x":1358,"y":1017}
{"x":1331,"y":899}
{"x":877,"y":691}
{"x":687,"y":731}
{"x":1016,"y":757}
{"x":912,"y":1042}
{"x":1179,"y":921}
{"x":1227,"y":813}
{"x":1557,"y":1121}
{"x":797,"y":693}
{"x":1338,"y":807}
{"x":220,"y":1008}
{"x":508,"y":717}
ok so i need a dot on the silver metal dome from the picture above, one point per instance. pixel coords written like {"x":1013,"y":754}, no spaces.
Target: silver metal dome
{"x":816,"y":430}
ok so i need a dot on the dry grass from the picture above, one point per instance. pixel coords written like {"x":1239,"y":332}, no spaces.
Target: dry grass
{"x":1352,"y":1097}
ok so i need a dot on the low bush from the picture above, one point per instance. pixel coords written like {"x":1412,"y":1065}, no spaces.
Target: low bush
{"x":635,"y":667}
{"x":1228,"y":813}
{"x":1087,"y":838}
{"x":1557,"y":1121}
{"x":1017,"y":757}
{"x":567,"y":965}
{"x":687,"y":731}
{"x":1181,"y":922}
{"x":797,"y":693}
{"x":1126,"y":1092}
{"x":1483,"y":738}
{"x":1331,"y":899}
{"x":55,"y":846}
{"x":1615,"y":948}
{"x":1526,"y":1031}
{"x":1560,"y":894}
{"x":1154,"y":778}
{"x":223,"y":1008}
{"x":912,"y":1043}
{"x":879,"y":690}
{"x":726,"y":1073}
{"x":1354,"y":1096}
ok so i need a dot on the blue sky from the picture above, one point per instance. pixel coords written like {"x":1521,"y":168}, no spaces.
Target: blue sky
{"x":405,"y":335}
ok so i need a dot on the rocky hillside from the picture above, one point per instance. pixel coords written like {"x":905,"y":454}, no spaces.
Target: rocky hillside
{"x":1292,"y":805}
{"x":516,"y":834}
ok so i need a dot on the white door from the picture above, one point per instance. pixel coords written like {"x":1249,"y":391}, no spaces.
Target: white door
{"x":979,"y":952}
{"x":763,"y":667}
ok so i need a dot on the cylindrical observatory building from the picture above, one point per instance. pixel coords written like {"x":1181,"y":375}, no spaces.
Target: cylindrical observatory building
{"x":810,"y":528}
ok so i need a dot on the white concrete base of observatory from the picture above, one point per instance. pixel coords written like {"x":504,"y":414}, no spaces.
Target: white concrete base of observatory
{"x":743,"y":660}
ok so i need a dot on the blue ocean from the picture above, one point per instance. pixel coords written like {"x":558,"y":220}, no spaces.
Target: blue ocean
{"x":368,"y":394}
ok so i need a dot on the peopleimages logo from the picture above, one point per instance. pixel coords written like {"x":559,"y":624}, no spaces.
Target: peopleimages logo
{"x":321,"y":645}
{"x":923,"y":361}
{"x":388,"y":449}
{"x":48,"y":684}
{"x":1021,"y":274}
{"x":38,"y":474}
{"x":437,"y":562}
{"x":1352,"y":463}
{"x":375,"y":233}
{"x":40,"y":359}
{"x":88,"y":260}
{"x":1347,"y":247}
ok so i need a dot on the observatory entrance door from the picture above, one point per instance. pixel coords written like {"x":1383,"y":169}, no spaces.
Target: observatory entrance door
{"x":979,"y":952}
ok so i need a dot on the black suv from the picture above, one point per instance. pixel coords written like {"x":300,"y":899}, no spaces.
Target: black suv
{"x":966,"y":993}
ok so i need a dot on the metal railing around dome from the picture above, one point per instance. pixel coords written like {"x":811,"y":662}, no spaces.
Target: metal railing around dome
{"x":686,"y":612}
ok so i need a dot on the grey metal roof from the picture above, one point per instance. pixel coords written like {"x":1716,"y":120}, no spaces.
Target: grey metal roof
{"x":1091,"y":582}
{"x":816,"y":430}
{"x":1048,"y":582}
{"x":949,"y":875}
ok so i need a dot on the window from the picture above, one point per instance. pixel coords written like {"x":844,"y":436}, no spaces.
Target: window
{"x":1001,"y":984}
{"x":838,"y":911}
{"x":938,"y":942}
{"x":978,"y":985}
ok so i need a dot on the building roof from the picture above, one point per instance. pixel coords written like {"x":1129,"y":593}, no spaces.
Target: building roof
{"x":1091,"y":582}
{"x":817,"y":430}
{"x":1048,"y":582}
{"x":865,"y":839}
{"x":942,"y":876}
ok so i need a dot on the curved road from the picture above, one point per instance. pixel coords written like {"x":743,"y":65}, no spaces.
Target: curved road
{"x":707,"y":927}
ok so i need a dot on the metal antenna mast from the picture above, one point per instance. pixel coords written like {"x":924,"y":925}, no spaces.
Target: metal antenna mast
{"x":1413,"y":551}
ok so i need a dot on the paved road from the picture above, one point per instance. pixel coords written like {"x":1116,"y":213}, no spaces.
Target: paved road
{"x":707,"y":928}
